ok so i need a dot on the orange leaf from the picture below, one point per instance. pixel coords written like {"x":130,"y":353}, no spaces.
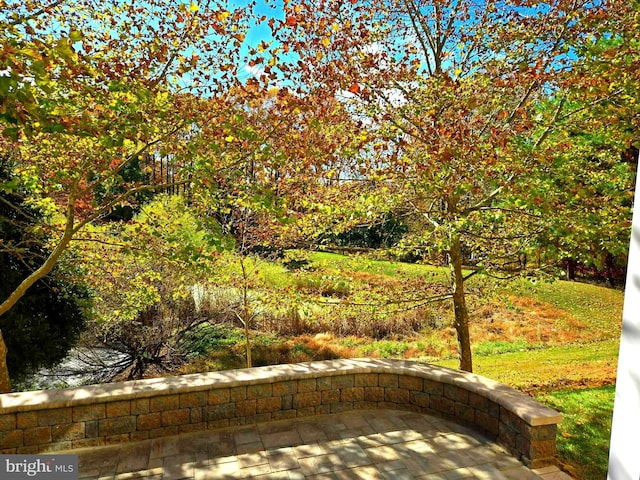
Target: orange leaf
{"x":291,"y":21}
{"x":355,"y":88}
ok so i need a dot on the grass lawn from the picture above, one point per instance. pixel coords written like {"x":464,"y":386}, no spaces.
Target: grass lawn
{"x":583,"y":440}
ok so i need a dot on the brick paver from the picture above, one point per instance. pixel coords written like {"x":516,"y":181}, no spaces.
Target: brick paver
{"x":380,"y":444}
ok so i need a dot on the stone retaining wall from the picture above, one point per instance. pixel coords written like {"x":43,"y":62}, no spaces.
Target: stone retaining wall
{"x":35,"y":422}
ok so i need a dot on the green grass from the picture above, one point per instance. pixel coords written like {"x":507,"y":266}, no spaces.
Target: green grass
{"x":583,"y":440}
{"x":356,"y":263}
{"x":548,"y":368}
{"x":598,"y":307}
{"x":499,"y":347}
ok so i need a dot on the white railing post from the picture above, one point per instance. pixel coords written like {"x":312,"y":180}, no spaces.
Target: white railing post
{"x":624,"y":453}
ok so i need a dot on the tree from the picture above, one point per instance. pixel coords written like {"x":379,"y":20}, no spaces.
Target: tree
{"x":47,"y":321}
{"x":588,"y":183}
{"x":88,"y":87}
{"x":448,"y":90}
{"x":143,"y":274}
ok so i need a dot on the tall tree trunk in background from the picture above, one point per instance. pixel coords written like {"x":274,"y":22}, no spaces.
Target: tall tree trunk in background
{"x":5,"y":381}
{"x":461,"y":322}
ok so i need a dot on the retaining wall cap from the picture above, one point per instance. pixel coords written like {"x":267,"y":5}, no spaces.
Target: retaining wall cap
{"x":531,"y":411}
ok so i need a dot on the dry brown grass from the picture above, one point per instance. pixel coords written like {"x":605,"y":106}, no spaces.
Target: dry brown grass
{"x":525,"y":318}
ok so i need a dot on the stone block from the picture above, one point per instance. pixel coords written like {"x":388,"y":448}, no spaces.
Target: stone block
{"x":176,"y":417}
{"x":487,"y":422}
{"x":193,"y":399}
{"x":355,"y":394}
{"x":193,"y":427}
{"x":68,"y":431}
{"x":219,"y":412}
{"x":259,"y":391}
{"x":305,"y":412}
{"x":139,"y":436}
{"x":420,"y":399}
{"x":116,"y":439}
{"x":83,"y":413}
{"x":323,"y":409}
{"x":283,"y":415}
{"x":433,"y":388}
{"x":464,"y":412}
{"x":8,"y":422}
{"x":237,"y":394}
{"x":366,"y":380}
{"x":374,"y":394}
{"x":542,"y":449}
{"x":54,"y":416}
{"x":164,"y":403}
{"x":324,"y":383}
{"x":195,"y":415}
{"x":479,"y":402}
{"x":307,"y":385}
{"x":219,"y":396}
{"x":149,"y":421}
{"x":457,"y":394}
{"x":543,"y":432}
{"x":272,"y":404}
{"x":364,"y":405}
{"x":398,"y":396}
{"x":12,"y":439}
{"x":238,"y":421}
{"x":108,"y":427}
{"x":37,"y":435}
{"x":246,"y":408}
{"x":27,"y":420}
{"x":280,"y":389}
{"x":389,"y":380}
{"x":305,"y":400}
{"x":91,"y":429}
{"x":442,"y":405}
{"x":140,"y":405}
{"x":224,"y":422}
{"x":343,"y":381}
{"x":117,"y":409}
{"x":511,"y":420}
{"x":411,"y":383}
{"x":507,"y":435}
{"x":330,"y":396}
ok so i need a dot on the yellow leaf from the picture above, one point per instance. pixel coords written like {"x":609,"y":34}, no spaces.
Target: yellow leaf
{"x":326,"y":41}
{"x":222,"y":15}
{"x":230,"y":138}
{"x":194,"y":7}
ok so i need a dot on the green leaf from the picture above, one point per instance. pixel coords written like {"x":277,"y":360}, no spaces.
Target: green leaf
{"x":75,"y":36}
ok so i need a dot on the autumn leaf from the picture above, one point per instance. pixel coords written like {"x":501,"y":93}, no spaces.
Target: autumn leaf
{"x":354,"y":88}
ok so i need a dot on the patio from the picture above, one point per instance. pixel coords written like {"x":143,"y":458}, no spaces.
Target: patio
{"x":359,"y":444}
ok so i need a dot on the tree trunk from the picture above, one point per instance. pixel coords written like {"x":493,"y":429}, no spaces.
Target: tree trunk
{"x":461,"y":322}
{"x":5,"y":381}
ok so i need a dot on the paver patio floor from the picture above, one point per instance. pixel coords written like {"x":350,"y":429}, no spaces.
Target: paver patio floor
{"x":370,"y":445}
